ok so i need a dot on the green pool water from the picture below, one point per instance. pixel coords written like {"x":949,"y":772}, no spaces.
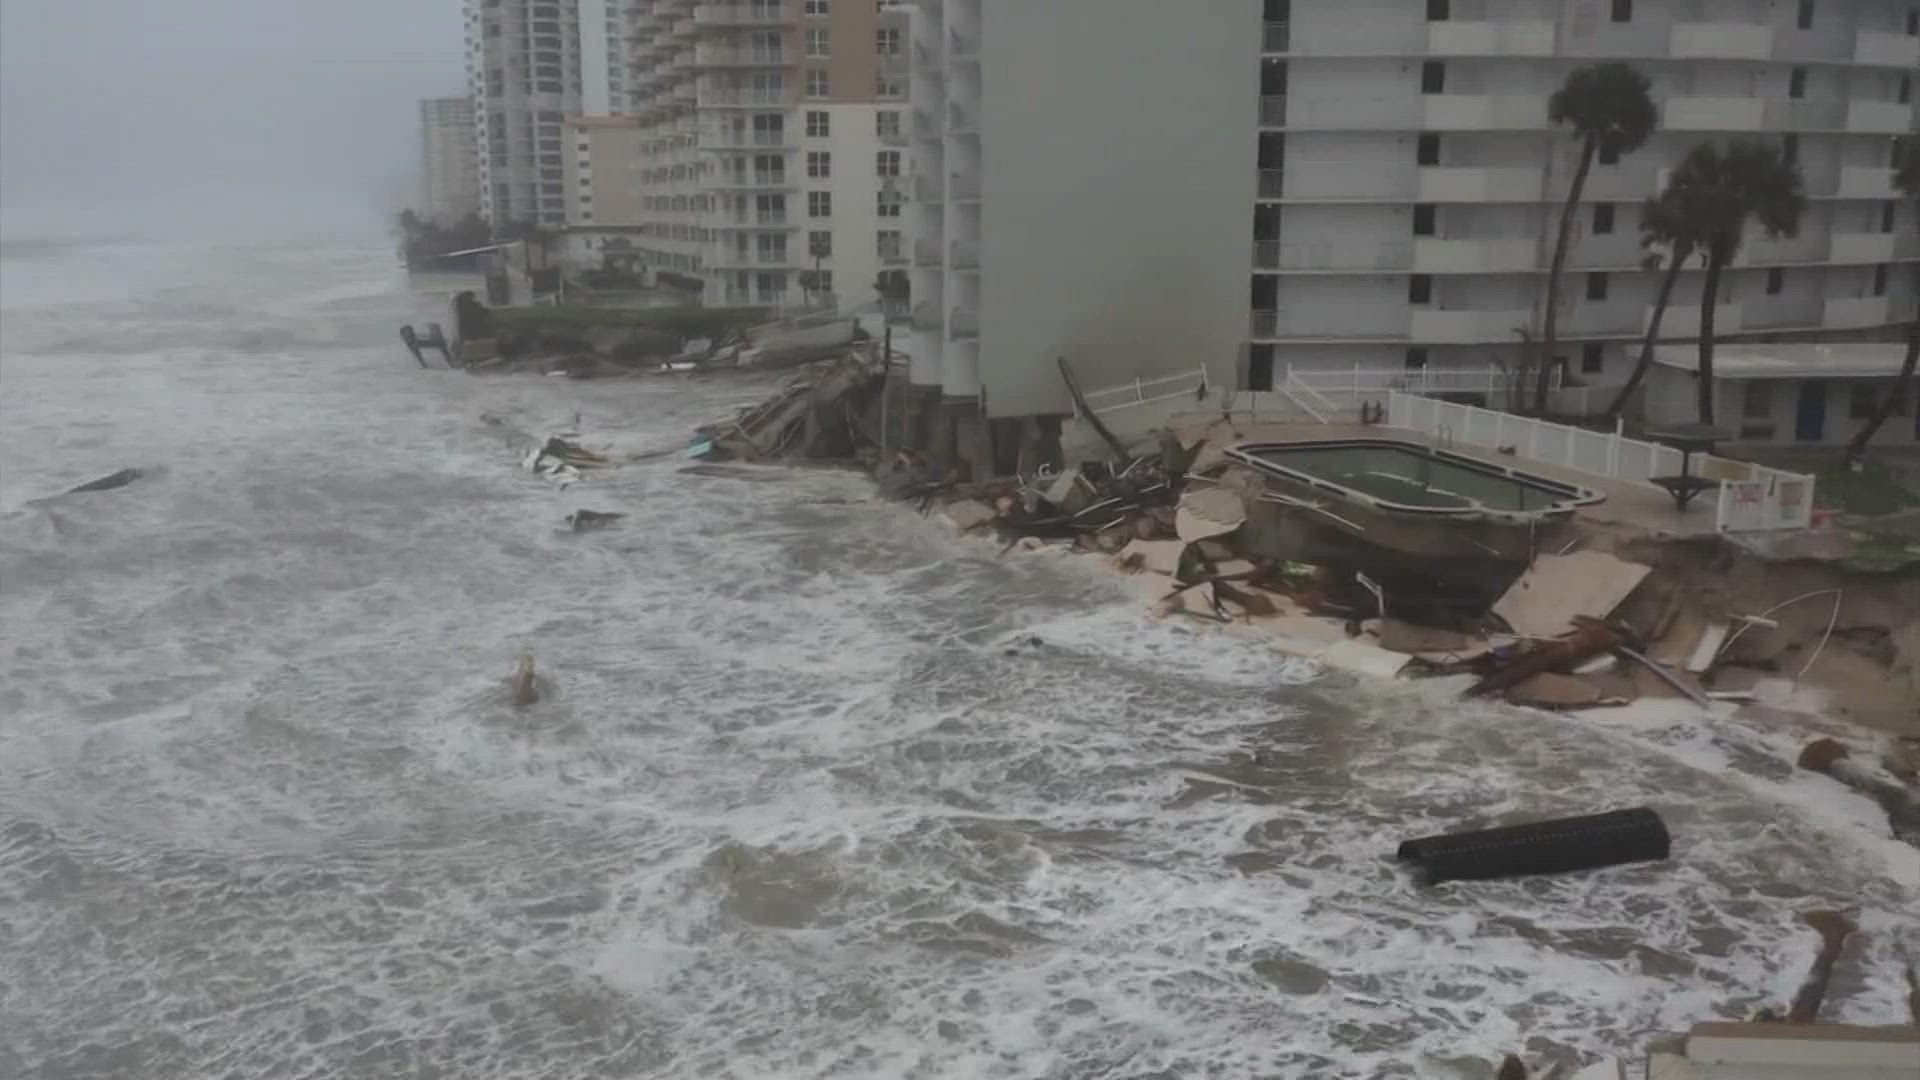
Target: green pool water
{"x":1412,"y":477}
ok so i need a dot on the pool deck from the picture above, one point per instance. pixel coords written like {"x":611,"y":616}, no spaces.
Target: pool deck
{"x":1637,"y":507}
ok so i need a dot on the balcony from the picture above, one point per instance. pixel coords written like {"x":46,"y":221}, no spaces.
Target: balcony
{"x":1804,"y":115}
{"x":964,"y":256}
{"x":762,"y":14}
{"x":1859,"y":247}
{"x":965,"y":322}
{"x":927,"y":188}
{"x":1887,"y":50}
{"x":928,"y":316}
{"x":926,"y":125}
{"x":1490,"y":38}
{"x":755,"y":181}
{"x":1275,"y":37}
{"x":1857,"y":312}
{"x":1879,"y":117}
{"x":960,"y":121}
{"x":962,"y":49}
{"x":1332,"y":255}
{"x":1868,"y":182}
{"x":927,"y":253}
{"x":685,"y":29}
{"x":745,"y":140}
{"x":1397,"y":112}
{"x":1482,"y":112}
{"x":1433,"y":255}
{"x":1720,"y":41}
{"x":1273,"y":183}
{"x":728,"y":56}
{"x":893,"y":137}
{"x":1467,"y":327}
{"x":1273,"y":110}
{"x":1332,"y":321}
{"x":1714,"y":114}
{"x":1480,"y":185}
{"x":1683,"y":322}
{"x":893,"y":257}
{"x":741,"y":99}
{"x":963,"y":187}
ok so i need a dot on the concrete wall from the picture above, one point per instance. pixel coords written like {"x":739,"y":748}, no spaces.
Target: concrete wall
{"x":1766,"y":412}
{"x":1134,"y":259}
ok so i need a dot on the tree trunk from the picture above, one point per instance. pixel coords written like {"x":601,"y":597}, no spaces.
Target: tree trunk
{"x":1667,"y":282}
{"x":1549,"y":338}
{"x":1857,"y":449}
{"x":1709,"y":297}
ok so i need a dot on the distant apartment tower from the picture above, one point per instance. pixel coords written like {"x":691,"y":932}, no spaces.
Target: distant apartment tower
{"x":603,"y":162}
{"x":1082,"y":166}
{"x":1085,"y":178}
{"x":449,"y":163}
{"x":530,"y":65}
{"x":775,"y":150}
{"x":1410,"y":182}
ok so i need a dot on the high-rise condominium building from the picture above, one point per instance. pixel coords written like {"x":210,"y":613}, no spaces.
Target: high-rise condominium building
{"x":449,"y":165}
{"x":1406,"y":184}
{"x":603,"y":191}
{"x":531,"y":64}
{"x":776,"y":146}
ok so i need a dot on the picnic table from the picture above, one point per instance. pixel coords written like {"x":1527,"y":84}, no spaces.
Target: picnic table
{"x":1689,"y":439}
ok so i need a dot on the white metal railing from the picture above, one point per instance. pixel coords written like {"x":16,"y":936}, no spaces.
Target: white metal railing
{"x":1311,"y":401}
{"x":1359,"y":380}
{"x":1191,"y":385}
{"x":1751,"y":497}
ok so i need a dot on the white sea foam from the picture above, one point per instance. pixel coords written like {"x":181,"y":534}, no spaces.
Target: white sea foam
{"x":816,"y":788}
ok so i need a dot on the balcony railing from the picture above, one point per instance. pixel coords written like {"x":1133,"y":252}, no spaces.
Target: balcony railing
{"x":1273,"y":110}
{"x":1862,"y":247}
{"x":965,"y":322}
{"x":1276,"y":37}
{"x":760,"y":14}
{"x":1880,"y":117}
{"x":1857,"y":312}
{"x":964,"y":257}
{"x":959,"y":121}
{"x":963,"y":187}
{"x":928,"y":189}
{"x":1887,"y":49}
{"x":928,"y":316}
{"x":1273,"y":183}
{"x":734,"y":56}
{"x":722,"y":99}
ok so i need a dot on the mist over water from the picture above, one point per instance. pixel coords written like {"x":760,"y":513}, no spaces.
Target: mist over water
{"x":816,"y":788}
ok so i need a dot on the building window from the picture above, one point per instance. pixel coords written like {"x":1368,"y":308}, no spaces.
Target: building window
{"x":817,"y":42}
{"x":820,"y":244}
{"x":1880,"y":280}
{"x":822,"y":281}
{"x":1797,"y":83}
{"x":1622,"y":10}
{"x":887,"y":163}
{"x":886,"y":41}
{"x":1806,"y":15}
{"x":887,"y":203}
{"x":1789,"y":148}
{"x":1903,"y":93}
{"x":1602,"y":219}
{"x":889,"y":87}
{"x":888,"y":243}
{"x":1593,"y":357}
{"x":819,"y":7}
{"x":817,"y":126}
{"x":819,"y":204}
{"x":1862,"y":401}
{"x":1427,"y":150}
{"x":1757,"y":402}
{"x":1776,"y":280}
{"x":1433,"y":77}
{"x":816,"y":82}
{"x":1416,"y":357}
{"x":1597,"y":285}
{"x":819,"y":164}
{"x":886,"y":123}
{"x":1420,"y":289}
{"x":1423,"y":219}
{"x":1886,"y":217}
{"x":1439,"y":10}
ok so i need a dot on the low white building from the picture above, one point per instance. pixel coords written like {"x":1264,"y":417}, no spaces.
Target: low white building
{"x":1807,"y":395}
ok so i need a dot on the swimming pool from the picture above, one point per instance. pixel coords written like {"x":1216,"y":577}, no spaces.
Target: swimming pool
{"x":1396,"y":477}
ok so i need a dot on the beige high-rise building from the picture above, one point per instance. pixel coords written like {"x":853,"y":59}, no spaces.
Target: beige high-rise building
{"x":449,"y":161}
{"x":775,"y":135}
{"x":602,"y":177}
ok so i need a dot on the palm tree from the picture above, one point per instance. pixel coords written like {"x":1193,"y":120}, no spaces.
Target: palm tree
{"x":1665,"y":226}
{"x":1746,"y":179}
{"x":1609,"y":108}
{"x":1906,"y":177}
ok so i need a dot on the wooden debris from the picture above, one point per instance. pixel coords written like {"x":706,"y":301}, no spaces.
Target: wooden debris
{"x":1833,"y":929}
{"x":526,"y":688}
{"x":1590,"y":637}
{"x":1557,"y":589}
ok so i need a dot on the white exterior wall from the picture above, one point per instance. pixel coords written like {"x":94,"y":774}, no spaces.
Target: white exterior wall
{"x":1109,"y":226}
{"x":854,"y":143}
{"x":1353,"y":110}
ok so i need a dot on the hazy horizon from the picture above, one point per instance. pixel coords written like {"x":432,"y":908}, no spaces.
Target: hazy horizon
{"x":212,"y":109}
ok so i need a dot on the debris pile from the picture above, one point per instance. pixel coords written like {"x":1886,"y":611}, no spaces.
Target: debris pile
{"x":829,"y":410}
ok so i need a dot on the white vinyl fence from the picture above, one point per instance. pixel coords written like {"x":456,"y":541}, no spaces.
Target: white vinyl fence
{"x":1752,"y":498}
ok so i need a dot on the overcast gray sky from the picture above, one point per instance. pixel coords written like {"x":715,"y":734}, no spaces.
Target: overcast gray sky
{"x":161,"y":104}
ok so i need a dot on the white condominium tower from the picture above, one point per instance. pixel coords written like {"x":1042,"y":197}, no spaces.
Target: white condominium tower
{"x":531,"y":64}
{"x":1390,"y":176}
{"x":449,"y":164}
{"x":775,"y":163}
